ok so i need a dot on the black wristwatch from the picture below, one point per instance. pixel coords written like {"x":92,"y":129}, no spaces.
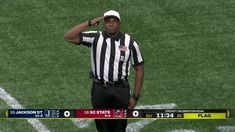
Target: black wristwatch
{"x":89,"y":23}
{"x":135,"y":97}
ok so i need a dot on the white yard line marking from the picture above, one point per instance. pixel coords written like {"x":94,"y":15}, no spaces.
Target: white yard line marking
{"x":136,"y":126}
{"x":12,"y":102}
{"x":82,"y":123}
{"x":182,"y":130}
{"x":132,"y":127}
{"x":226,"y":128}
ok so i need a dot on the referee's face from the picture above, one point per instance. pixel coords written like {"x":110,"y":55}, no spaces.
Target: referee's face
{"x":111,"y":25}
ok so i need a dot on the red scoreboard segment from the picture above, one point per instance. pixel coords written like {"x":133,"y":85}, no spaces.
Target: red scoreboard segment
{"x":101,"y":113}
{"x":117,"y":113}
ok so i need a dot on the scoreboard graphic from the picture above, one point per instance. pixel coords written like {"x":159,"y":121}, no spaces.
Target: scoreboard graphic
{"x":117,"y":113}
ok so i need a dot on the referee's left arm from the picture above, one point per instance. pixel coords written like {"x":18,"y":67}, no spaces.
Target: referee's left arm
{"x":139,"y":77}
{"x":138,"y":63}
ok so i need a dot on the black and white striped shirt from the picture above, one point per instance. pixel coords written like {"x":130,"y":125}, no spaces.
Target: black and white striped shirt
{"x":111,"y":57}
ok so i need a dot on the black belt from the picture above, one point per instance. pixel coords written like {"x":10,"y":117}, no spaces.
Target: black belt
{"x":105,"y":83}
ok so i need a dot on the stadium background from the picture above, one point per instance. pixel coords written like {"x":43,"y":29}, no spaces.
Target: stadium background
{"x":188,"y":48}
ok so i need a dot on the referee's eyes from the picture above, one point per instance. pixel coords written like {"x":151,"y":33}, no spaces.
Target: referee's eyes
{"x":111,"y":20}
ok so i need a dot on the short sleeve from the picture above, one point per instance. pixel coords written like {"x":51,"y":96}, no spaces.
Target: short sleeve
{"x":136,"y":57}
{"x":87,"y":38}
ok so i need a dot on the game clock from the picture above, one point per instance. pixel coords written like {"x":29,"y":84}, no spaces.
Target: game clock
{"x":159,"y":115}
{"x":152,"y":114}
{"x":164,"y":115}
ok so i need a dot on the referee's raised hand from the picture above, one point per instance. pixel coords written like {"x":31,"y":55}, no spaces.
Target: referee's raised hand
{"x":95,"y":21}
{"x":73,"y":34}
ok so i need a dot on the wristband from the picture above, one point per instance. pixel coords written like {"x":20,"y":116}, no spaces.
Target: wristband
{"x":89,"y":23}
{"x":135,"y":97}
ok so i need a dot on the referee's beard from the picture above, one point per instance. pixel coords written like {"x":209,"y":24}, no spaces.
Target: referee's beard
{"x":111,"y":32}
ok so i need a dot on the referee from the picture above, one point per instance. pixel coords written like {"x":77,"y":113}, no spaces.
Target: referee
{"x":112,"y":54}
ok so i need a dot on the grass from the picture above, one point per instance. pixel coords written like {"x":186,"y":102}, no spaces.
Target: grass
{"x":188,"y":48}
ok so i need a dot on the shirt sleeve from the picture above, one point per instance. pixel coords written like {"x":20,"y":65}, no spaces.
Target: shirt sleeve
{"x":87,"y":38}
{"x":136,"y":57}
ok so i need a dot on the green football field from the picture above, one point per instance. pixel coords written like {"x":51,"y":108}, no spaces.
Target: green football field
{"x":188,"y":47}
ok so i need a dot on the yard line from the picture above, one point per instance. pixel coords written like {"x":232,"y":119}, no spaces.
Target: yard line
{"x":136,"y":126}
{"x":226,"y":128}
{"x":12,"y":102}
{"x":82,"y":123}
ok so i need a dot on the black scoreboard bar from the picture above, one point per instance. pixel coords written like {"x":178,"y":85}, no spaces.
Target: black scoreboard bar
{"x":117,"y":113}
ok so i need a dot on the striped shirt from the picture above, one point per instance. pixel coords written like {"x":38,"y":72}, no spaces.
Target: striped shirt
{"x":111,"y":57}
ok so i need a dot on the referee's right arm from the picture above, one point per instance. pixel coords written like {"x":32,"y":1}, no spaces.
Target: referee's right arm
{"x":73,"y":34}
